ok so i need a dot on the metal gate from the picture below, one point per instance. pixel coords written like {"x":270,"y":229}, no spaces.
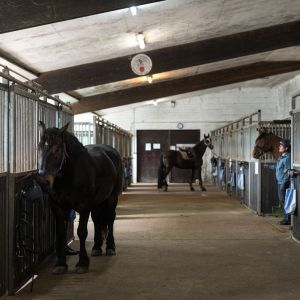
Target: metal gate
{"x":233,"y":146}
{"x":3,"y":187}
{"x":296,"y":162}
{"x":103,"y":132}
{"x":27,"y":228}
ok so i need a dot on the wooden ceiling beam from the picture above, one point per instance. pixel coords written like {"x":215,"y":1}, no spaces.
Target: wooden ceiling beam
{"x":17,"y":15}
{"x":184,"y":85}
{"x":174,"y":58}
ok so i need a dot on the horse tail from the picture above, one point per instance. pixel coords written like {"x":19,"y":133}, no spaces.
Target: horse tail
{"x":120,"y":177}
{"x":161,"y":173}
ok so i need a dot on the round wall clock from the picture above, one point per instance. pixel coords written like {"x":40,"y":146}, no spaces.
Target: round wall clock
{"x":179,"y":125}
{"x":141,"y":64}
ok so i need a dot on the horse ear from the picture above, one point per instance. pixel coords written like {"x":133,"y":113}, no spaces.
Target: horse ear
{"x":262,"y":130}
{"x":42,"y":127}
{"x":206,"y":136}
{"x":64,"y":129}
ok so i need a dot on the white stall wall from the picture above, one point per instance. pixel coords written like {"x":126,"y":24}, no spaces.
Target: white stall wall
{"x":284,"y":93}
{"x":206,"y":111}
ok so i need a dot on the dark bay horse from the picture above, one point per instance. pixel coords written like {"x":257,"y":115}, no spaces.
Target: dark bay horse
{"x":266,"y":142}
{"x":193,"y":161}
{"x":86,"y":179}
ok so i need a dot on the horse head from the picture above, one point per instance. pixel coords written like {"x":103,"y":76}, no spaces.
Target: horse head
{"x":208,"y":141}
{"x":51,"y":151}
{"x":265,"y":142}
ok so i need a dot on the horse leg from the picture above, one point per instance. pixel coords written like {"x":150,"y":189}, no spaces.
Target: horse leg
{"x":61,"y":240}
{"x":200,"y":181}
{"x":165,"y":183}
{"x":83,"y":264}
{"x":111,"y":216}
{"x":191,"y":181}
{"x":162,"y":183}
{"x":98,"y":239}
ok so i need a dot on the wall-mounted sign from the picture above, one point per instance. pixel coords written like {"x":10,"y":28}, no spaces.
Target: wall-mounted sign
{"x":148,"y":147}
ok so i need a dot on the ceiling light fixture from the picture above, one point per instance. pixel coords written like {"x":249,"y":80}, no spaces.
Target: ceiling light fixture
{"x":149,"y":78}
{"x":141,"y":40}
{"x":133,"y":10}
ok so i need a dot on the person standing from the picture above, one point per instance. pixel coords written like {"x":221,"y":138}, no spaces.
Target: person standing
{"x":282,"y":177}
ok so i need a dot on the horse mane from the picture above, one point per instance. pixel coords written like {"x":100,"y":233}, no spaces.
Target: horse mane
{"x":73,"y":145}
{"x":199,"y":146}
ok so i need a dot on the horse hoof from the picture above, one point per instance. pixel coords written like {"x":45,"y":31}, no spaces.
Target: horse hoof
{"x":203,"y":189}
{"x":58,"y":270}
{"x":82,"y":269}
{"x":96,"y":252}
{"x":110,"y":252}
{"x":192,"y":189}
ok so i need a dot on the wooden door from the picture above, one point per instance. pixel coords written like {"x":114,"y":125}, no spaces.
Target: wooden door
{"x":150,"y":145}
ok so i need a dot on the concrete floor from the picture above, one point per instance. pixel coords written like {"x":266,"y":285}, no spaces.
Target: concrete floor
{"x":183,"y":245}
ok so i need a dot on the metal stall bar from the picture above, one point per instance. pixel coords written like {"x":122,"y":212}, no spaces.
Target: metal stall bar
{"x":269,"y":196}
{"x":295,"y":139}
{"x":103,"y":132}
{"x":3,"y":187}
{"x":31,"y":241}
{"x":84,"y":131}
{"x":233,"y":142}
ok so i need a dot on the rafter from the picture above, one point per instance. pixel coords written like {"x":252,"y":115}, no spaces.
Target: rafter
{"x":16,"y":15}
{"x":173,"y":58}
{"x":184,"y":85}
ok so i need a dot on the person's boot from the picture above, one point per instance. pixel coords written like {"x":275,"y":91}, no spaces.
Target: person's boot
{"x":286,"y":220}
{"x":70,"y":251}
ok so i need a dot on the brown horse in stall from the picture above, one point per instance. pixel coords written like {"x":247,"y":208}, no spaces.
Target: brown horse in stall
{"x":266,"y":142}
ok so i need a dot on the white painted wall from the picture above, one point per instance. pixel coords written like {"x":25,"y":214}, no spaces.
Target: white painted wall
{"x":206,"y":111}
{"x":284,"y":93}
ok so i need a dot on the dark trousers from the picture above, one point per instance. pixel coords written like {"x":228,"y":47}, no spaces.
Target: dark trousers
{"x":281,"y":192}
{"x":281,"y":195}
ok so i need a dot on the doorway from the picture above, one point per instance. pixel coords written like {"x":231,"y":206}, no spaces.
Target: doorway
{"x":150,"y":145}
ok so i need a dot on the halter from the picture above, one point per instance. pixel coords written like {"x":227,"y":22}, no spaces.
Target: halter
{"x":64,"y":157}
{"x":261,"y":152}
{"x":207,"y":144}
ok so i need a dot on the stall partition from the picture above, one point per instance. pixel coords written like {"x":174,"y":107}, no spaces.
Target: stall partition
{"x":249,"y":180}
{"x":27,"y":228}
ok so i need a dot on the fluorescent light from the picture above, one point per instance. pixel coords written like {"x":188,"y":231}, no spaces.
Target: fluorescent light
{"x":140,"y":39}
{"x":133,"y":10}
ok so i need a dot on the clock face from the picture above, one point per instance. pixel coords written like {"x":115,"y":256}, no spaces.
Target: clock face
{"x":141,"y":64}
{"x":179,"y":125}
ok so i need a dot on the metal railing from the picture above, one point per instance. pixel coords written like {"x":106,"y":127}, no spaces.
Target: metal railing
{"x":22,"y":105}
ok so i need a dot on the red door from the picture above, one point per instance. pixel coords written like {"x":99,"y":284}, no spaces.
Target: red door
{"x":150,"y":145}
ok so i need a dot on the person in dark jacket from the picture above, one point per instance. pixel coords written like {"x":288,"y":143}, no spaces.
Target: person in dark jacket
{"x":282,"y":178}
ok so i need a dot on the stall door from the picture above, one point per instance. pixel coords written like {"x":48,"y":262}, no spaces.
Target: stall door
{"x":150,"y":145}
{"x":296,"y":165}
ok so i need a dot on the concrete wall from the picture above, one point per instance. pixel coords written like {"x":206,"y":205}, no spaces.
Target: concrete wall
{"x":284,"y":93}
{"x":206,"y":110}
